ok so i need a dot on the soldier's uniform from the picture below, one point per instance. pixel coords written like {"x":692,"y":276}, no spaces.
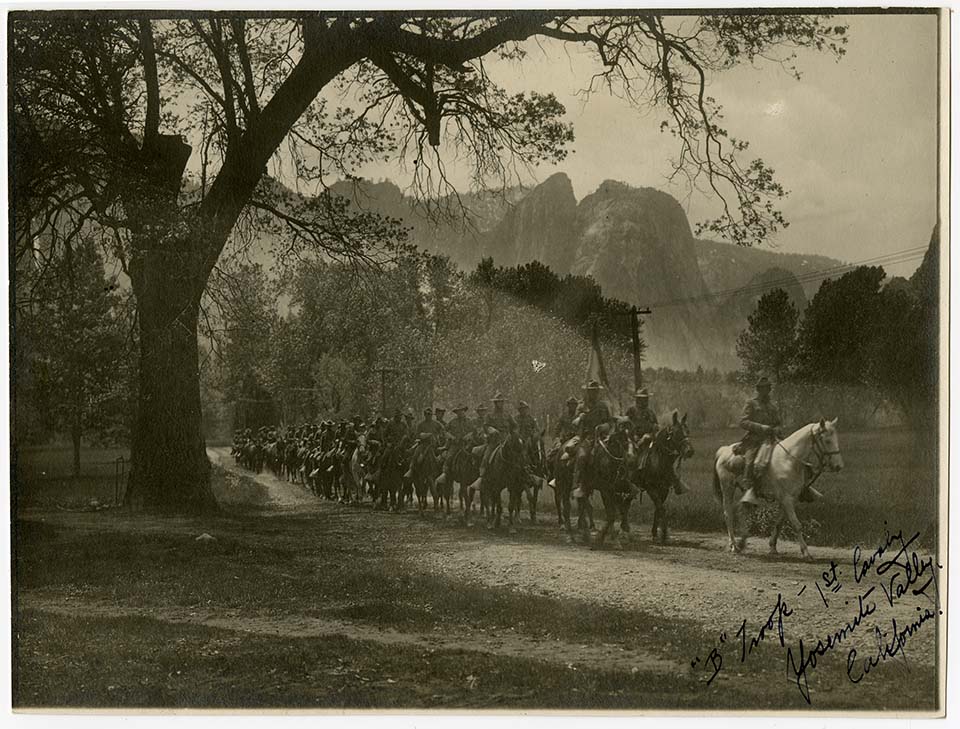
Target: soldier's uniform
{"x":527,"y":426}
{"x":760,"y":419}
{"x":564,"y":429}
{"x":589,"y":417}
{"x":429,"y":432}
{"x":642,"y":420}
{"x":502,"y":421}
{"x":394,"y":431}
{"x":478,"y":422}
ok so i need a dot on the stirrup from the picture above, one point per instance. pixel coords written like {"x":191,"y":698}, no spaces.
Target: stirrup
{"x":750,"y":498}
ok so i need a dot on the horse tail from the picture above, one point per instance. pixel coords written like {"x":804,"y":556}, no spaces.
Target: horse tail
{"x":716,"y":482}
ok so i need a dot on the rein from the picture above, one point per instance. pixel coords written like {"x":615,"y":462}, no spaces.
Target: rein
{"x":820,"y":452}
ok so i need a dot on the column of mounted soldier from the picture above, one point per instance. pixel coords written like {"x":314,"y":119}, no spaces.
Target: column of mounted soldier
{"x":394,"y":460}
{"x":391,"y":461}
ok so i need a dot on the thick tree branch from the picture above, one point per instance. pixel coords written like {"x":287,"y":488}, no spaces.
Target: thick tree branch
{"x":151,"y":124}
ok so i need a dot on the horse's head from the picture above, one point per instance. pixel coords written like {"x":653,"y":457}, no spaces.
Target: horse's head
{"x":826,"y":444}
{"x":676,"y":437}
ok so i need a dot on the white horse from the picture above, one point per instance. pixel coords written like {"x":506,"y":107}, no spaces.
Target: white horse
{"x":815,"y":447}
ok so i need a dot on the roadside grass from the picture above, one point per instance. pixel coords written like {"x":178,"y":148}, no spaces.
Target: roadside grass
{"x":141,"y":662}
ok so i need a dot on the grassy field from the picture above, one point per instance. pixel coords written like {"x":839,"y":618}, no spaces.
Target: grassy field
{"x":44,"y":476}
{"x":881,"y":482}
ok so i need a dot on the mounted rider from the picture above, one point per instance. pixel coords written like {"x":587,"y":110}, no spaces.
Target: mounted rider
{"x":643,"y":421}
{"x":591,"y":414}
{"x":478,"y":422}
{"x":459,"y":434}
{"x":395,"y":430}
{"x":644,"y":426}
{"x":564,"y":430}
{"x":760,"y":419}
{"x":527,"y":428}
{"x":428,"y":432}
{"x":496,"y":426}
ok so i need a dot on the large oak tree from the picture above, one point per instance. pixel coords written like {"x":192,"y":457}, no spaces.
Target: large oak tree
{"x":159,"y":133}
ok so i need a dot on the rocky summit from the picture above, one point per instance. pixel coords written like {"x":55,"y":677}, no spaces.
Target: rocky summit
{"x":636,"y":242}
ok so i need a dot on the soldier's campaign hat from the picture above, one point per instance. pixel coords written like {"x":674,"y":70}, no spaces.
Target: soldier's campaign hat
{"x":763,"y":382}
{"x":481,"y":408}
{"x":572,"y":401}
{"x":460,"y":409}
{"x":498,"y":397}
{"x":439,"y":409}
{"x":522,"y":404}
{"x":642,"y":392}
{"x":408,"y":413}
{"x":427,"y":410}
{"x":592,"y":385}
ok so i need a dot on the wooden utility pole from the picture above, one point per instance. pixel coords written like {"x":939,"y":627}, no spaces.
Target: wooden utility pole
{"x":635,"y":332}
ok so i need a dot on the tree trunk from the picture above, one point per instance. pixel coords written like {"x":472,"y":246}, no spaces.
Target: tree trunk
{"x":169,"y":470}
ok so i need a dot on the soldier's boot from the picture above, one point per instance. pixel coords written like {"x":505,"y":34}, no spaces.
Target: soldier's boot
{"x":581,"y":490}
{"x":752,"y":484}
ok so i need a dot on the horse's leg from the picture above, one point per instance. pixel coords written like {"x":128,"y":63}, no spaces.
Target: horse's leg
{"x":558,"y":499}
{"x":791,"y":512}
{"x":661,"y":507}
{"x":610,"y":509}
{"x":775,"y":532}
{"x":729,"y":512}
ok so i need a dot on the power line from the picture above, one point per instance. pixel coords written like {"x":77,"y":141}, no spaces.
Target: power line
{"x":889,"y":259}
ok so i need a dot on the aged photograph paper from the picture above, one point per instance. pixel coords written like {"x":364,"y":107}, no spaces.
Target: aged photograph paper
{"x":478,"y":360}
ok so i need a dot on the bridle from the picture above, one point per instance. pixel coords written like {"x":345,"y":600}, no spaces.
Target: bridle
{"x":819,"y":451}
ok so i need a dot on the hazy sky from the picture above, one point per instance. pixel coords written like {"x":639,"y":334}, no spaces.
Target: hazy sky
{"x":854,"y":141}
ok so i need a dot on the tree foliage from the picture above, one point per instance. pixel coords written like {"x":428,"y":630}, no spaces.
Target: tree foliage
{"x":861,"y":329}
{"x":73,"y":344}
{"x":769,"y":343}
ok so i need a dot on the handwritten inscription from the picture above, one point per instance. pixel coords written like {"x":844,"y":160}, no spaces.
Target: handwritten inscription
{"x":882,"y":578}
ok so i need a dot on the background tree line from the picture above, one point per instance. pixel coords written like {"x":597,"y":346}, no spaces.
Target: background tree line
{"x":862,"y":330}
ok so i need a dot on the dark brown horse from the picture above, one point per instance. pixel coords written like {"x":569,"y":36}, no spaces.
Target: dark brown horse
{"x":615,"y":474}
{"x":506,"y":470}
{"x":658,"y":474}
